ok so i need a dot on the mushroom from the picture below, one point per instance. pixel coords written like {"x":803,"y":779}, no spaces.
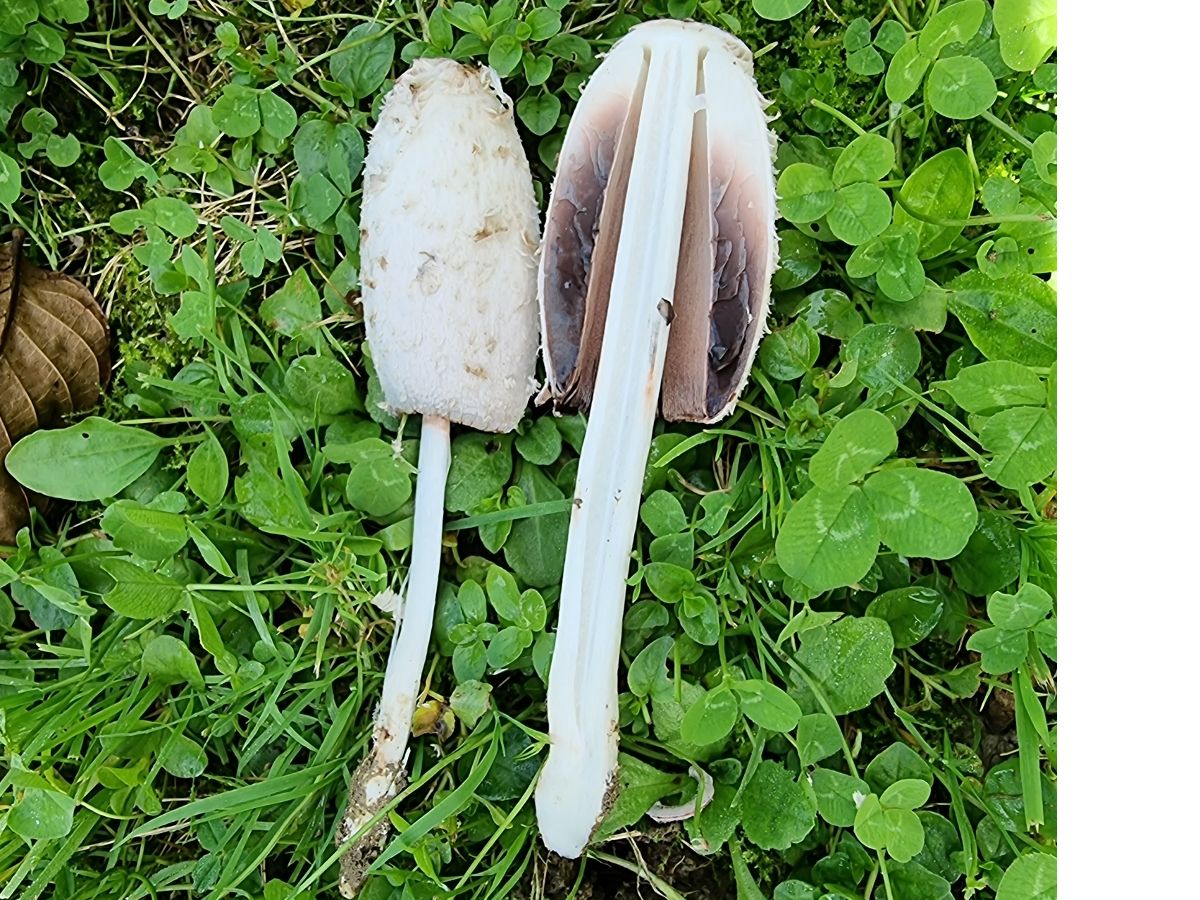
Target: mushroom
{"x":448,"y":247}
{"x":658,"y":251}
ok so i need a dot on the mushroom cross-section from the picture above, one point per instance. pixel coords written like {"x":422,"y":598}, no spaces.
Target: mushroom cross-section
{"x":658,"y":251}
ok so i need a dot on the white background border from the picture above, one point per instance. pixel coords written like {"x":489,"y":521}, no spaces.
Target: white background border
{"x":1129,"y":423}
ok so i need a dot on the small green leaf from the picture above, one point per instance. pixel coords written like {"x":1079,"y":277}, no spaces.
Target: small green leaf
{"x":911,"y":612}
{"x":537,"y":546}
{"x":139,"y":593}
{"x":1001,"y":195}
{"x":896,"y":762}
{"x":150,"y":533}
{"x":648,"y":671}
{"x":961,"y":87}
{"x":378,"y":487}
{"x":663,"y":514}
{"x":939,"y":190}
{"x":293,"y":308}
{"x":503,"y":594}
{"x":907,"y":793}
{"x":504,"y":55}
{"x":543,"y":23}
{"x":799,"y":260}
{"x":925,"y":312}
{"x":788,"y":353}
{"x":891,"y":36}
{"x":992,"y":386}
{"x":183,"y":757}
{"x":669,"y":582}
{"x":777,"y":810}
{"x":363,"y":58}
{"x":1024,"y":446}
{"x":866,"y":61}
{"x":1000,"y":651}
{"x":41,"y":814}
{"x":538,"y":69}
{"x":93,"y":459}
{"x":1045,"y":156}
{"x":767,"y":705}
{"x":831,"y":313}
{"x":470,"y":700}
{"x":507,"y":646}
{"x":779,"y":10}
{"x":922,"y":512}
{"x":539,"y":112}
{"x":321,"y":386}
{"x":885,"y":355}
{"x":1028,"y":31}
{"x":806,"y":193}
{"x":62,"y":151}
{"x":172,"y":215}
{"x":641,"y":786}
{"x":121,"y":167}
{"x":277,"y":114}
{"x":860,"y":212}
{"x":849,"y":659}
{"x":541,"y":444}
{"x":858,"y":34}
{"x":17,"y":15}
{"x":208,"y":550}
{"x":43,"y":44}
{"x":236,"y":111}
{"x":954,"y":24}
{"x":169,"y":660}
{"x":469,"y":661}
{"x":10,"y":179}
{"x":1013,"y":318}
{"x":837,"y":796}
{"x":817,"y":737}
{"x":1032,"y":876}
{"x":855,"y":445}
{"x":868,"y":157}
{"x":829,"y":538}
{"x":992,"y":558}
{"x":905,"y":72}
{"x":900,"y":275}
{"x":1020,"y":611}
{"x":879,"y":827}
{"x":711,"y":718}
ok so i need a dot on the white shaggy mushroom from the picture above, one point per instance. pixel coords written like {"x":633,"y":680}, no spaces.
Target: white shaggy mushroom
{"x":449,"y":235}
{"x":658,"y":253}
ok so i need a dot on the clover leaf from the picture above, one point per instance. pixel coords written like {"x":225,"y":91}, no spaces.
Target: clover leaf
{"x":888,"y":822}
{"x":1017,"y":620}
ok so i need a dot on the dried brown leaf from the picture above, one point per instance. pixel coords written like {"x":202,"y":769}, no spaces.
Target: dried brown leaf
{"x":54,"y":359}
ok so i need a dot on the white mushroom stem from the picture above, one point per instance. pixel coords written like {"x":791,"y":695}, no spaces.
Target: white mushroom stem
{"x":414,"y":617}
{"x":380,"y":776}
{"x":582,"y":697}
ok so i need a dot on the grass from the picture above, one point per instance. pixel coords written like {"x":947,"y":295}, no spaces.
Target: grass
{"x":189,"y":662}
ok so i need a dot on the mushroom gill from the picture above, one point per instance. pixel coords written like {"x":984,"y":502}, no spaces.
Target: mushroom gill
{"x":727,"y":251}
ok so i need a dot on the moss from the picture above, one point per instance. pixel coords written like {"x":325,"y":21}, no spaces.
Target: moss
{"x":810,"y":43}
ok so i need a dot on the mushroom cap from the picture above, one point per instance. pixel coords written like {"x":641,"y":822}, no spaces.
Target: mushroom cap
{"x":728,"y":250}
{"x":449,"y":235}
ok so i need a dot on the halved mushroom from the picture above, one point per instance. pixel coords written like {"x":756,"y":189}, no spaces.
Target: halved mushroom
{"x":659,"y":247}
{"x":727,"y":249}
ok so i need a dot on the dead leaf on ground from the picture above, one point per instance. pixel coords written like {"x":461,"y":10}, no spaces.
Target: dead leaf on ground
{"x":53,"y":361}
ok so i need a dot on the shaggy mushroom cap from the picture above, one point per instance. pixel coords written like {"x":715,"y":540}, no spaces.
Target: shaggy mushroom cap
{"x":728,"y":249}
{"x":448,"y":248}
